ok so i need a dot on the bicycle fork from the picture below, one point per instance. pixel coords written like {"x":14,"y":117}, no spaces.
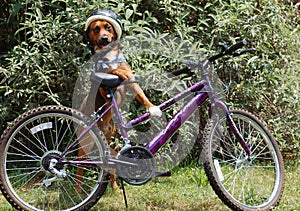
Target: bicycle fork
{"x":232,"y":125}
{"x":237,"y":134}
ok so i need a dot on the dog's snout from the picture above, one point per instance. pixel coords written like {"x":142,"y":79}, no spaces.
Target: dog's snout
{"x":103,"y":41}
{"x":104,"y":38}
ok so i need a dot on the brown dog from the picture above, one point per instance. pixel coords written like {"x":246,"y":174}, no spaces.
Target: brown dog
{"x":102,"y":34}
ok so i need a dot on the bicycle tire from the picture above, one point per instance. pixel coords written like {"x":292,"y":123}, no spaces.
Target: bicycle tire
{"x":30,"y":140}
{"x":242,"y":184}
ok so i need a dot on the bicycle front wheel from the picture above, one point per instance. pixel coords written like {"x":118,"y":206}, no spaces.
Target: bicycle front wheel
{"x":30,"y":146}
{"x":242,"y":182}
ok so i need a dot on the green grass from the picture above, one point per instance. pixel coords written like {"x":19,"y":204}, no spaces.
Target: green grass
{"x":183,"y":191}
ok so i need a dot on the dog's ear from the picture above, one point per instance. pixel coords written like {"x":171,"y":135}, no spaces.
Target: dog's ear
{"x":85,"y":38}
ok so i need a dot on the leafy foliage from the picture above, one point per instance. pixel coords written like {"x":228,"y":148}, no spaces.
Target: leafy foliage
{"x":42,"y":51}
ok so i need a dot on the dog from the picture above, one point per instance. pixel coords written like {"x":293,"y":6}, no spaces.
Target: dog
{"x":102,"y":35}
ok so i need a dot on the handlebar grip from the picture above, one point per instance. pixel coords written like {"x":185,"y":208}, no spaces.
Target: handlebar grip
{"x":236,"y":46}
{"x":179,"y":72}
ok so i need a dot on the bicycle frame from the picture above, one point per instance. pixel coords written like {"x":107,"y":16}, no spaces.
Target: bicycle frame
{"x":202,"y":91}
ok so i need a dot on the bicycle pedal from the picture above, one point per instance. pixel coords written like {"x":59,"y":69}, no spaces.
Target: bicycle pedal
{"x":163,"y":174}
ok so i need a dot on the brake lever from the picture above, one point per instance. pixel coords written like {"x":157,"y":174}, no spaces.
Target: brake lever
{"x":223,"y":46}
{"x":191,"y":73}
{"x":190,"y":64}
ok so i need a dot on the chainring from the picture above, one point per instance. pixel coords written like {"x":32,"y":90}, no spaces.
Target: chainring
{"x":144,"y":167}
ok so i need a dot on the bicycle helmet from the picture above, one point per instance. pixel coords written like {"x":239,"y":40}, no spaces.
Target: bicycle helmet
{"x":108,"y":16}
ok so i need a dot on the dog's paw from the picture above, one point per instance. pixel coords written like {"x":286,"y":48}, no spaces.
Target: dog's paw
{"x":155,"y":111}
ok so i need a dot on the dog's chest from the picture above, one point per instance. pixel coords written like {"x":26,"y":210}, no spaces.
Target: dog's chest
{"x":108,"y":62}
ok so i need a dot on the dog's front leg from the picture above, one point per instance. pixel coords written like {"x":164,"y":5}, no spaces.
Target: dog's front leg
{"x":126,"y":74}
{"x":141,"y":97}
{"x":122,"y":73}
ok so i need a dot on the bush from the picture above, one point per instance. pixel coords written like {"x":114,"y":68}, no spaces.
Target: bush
{"x":48,"y":52}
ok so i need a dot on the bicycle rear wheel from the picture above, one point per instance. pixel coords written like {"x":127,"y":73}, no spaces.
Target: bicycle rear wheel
{"x":32,"y":142}
{"x":241,"y":183}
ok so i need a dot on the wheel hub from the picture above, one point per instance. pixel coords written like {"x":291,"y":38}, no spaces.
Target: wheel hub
{"x":51,"y":162}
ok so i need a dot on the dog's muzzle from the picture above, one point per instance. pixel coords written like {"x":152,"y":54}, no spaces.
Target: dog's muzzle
{"x":103,"y":42}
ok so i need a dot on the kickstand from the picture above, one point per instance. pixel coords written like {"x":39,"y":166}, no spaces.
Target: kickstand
{"x":124,"y":194}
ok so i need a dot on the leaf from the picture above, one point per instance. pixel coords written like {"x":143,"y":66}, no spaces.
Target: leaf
{"x":14,"y":12}
{"x":252,"y":59}
{"x":39,"y":13}
{"x":128,"y":13}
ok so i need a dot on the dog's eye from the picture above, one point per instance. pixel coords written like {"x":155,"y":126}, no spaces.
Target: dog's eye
{"x":108,"y":28}
{"x":96,"y":30}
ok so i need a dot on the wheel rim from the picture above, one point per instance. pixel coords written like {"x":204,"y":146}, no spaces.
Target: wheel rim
{"x":33,"y":184}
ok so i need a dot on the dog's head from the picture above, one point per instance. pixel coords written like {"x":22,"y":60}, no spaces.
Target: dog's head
{"x":102,"y":29}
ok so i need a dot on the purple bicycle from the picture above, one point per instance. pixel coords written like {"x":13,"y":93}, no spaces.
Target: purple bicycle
{"x":56,"y":158}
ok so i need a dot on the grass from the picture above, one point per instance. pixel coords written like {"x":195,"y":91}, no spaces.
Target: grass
{"x":183,"y":191}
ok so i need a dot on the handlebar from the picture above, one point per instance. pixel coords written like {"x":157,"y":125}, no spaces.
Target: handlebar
{"x":236,"y":47}
{"x":185,"y":70}
{"x":232,"y":51}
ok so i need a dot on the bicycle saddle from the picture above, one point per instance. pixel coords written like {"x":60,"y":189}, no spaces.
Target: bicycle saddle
{"x":107,"y":80}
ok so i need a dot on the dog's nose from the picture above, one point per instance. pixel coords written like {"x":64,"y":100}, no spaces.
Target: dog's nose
{"x":104,"y":38}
